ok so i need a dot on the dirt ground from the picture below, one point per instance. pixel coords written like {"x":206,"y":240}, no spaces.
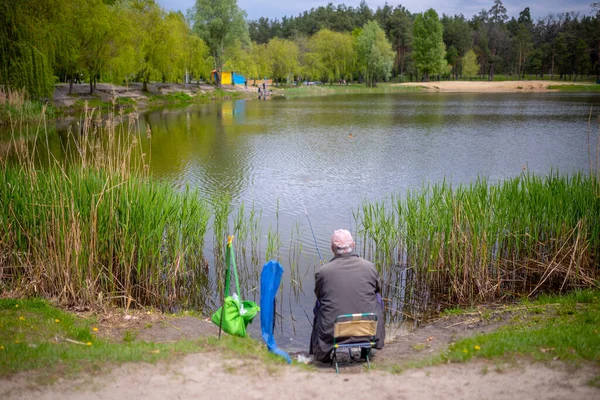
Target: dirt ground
{"x":215,"y":375}
{"x":106,"y":92}
{"x":489,"y":87}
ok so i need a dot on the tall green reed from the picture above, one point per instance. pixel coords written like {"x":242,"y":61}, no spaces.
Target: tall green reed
{"x":95,"y":228}
{"x":482,"y":242}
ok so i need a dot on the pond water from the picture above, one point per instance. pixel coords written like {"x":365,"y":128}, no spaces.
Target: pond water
{"x":329,"y":154}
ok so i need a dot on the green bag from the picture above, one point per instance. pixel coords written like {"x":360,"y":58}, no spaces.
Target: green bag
{"x":238,"y":314}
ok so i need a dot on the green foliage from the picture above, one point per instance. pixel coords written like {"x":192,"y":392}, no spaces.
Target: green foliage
{"x":470,"y":65}
{"x":283,"y":58}
{"x":375,"y":55}
{"x":331,"y":56}
{"x":26,"y":50}
{"x":137,"y":40}
{"x":429,"y":50}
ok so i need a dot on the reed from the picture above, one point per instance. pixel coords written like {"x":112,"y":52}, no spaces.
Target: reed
{"x":481,"y":242}
{"x":96,"y":228}
{"x":16,"y":109}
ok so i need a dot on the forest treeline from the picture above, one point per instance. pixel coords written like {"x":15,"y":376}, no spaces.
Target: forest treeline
{"x":120,"y":41}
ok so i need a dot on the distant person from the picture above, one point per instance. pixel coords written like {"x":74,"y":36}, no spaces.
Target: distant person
{"x":245,"y":83}
{"x":348,"y":284}
{"x":264,"y":88}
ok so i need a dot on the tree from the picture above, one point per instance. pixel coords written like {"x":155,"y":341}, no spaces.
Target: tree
{"x":219,"y":23}
{"x":331,"y":54}
{"x":523,"y":38}
{"x":497,"y":35}
{"x":401,"y":36}
{"x":429,"y":50}
{"x":581,"y":58}
{"x":375,"y":55}
{"x":469,"y":64}
{"x":97,"y":40}
{"x":27,"y":45}
{"x":453,"y":60}
{"x":497,"y":14}
{"x":458,"y":33}
{"x":260,"y":56}
{"x":283,"y":58}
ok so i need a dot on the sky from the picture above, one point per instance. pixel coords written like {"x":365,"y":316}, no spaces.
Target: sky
{"x":275,"y":9}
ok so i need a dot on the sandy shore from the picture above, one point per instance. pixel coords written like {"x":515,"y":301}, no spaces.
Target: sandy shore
{"x":204,"y":376}
{"x":487,"y":87}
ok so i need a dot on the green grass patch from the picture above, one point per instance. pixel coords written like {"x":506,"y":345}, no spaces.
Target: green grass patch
{"x":176,"y":97}
{"x":181,"y":98}
{"x":324,"y":90}
{"x":576,"y":88}
{"x":568,"y":329}
{"x":34,"y":335}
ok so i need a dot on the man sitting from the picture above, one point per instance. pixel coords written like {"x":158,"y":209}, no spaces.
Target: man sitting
{"x":348,"y":284}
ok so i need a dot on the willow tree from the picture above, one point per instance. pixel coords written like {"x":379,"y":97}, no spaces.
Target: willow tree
{"x":429,"y":50}
{"x":26,"y":45}
{"x":260,"y":57}
{"x":283,"y":58}
{"x":99,"y":37}
{"x":331,"y":54}
{"x":375,"y":55}
{"x":219,"y":23}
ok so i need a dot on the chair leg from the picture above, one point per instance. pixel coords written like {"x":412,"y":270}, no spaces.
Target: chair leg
{"x":334,"y":360}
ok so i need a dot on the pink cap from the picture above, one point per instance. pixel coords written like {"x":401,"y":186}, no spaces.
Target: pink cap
{"x":342,"y":239}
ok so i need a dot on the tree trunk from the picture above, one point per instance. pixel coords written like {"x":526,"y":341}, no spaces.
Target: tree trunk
{"x":71,"y":84}
{"x":519,"y":67}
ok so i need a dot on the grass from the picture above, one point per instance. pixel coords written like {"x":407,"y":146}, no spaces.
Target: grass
{"x":576,"y":88}
{"x":323,"y":90}
{"x":551,"y":327}
{"x":567,"y":329}
{"x":200,"y":98}
{"x":35,"y":335}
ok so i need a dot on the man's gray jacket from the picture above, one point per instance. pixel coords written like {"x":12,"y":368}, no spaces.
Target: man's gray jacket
{"x":348,"y":284}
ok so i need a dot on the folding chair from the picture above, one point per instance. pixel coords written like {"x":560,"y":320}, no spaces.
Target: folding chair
{"x":362,"y":328}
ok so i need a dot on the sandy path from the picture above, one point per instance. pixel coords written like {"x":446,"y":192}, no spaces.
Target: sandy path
{"x":203,"y":376}
{"x":489,"y":87}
